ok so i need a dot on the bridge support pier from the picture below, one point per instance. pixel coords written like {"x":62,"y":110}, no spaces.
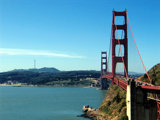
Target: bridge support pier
{"x":104,"y":84}
{"x":130,"y":99}
{"x":138,"y":106}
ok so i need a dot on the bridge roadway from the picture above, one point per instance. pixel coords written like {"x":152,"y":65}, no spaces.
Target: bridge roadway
{"x":152,"y":92}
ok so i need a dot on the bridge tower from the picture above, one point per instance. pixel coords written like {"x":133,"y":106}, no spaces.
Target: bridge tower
{"x":123,"y":41}
{"x":103,"y":63}
{"x":104,"y":84}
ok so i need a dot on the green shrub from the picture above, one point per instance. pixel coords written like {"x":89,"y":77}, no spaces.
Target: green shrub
{"x":123,"y":104}
{"x":117,"y":98}
{"x":124,"y":117}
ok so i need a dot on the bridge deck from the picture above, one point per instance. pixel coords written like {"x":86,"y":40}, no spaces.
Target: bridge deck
{"x":122,"y":82}
{"x":117,"y":80}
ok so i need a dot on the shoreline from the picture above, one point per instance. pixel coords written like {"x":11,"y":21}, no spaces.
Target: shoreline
{"x":21,"y":85}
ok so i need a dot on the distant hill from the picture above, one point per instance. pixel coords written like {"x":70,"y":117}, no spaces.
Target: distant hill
{"x":48,"y":76}
{"x":154,"y":74}
{"x":132,"y":74}
{"x":45,"y":69}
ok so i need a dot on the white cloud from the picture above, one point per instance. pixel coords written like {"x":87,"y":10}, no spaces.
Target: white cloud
{"x":8,"y":51}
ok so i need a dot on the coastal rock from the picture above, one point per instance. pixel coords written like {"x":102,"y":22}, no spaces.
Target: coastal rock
{"x":85,"y":108}
{"x":89,"y":112}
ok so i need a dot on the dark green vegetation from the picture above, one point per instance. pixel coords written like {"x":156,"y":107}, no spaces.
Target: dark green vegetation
{"x":49,"y":76}
{"x":154,"y":74}
{"x":114,"y":104}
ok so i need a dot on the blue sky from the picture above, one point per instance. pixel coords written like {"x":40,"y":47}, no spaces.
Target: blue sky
{"x":70,"y":34}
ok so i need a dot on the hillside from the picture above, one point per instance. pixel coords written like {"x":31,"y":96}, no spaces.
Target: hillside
{"x":67,"y":78}
{"x":154,"y":74}
{"x":45,"y":69}
{"x":113,"y":106}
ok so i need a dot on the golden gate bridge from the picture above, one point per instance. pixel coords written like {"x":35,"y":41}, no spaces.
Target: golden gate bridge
{"x":143,"y":98}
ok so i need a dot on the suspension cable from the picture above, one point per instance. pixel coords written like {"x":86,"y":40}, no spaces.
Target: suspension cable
{"x":120,"y":48}
{"x":137,"y":48}
{"x":109,"y":50}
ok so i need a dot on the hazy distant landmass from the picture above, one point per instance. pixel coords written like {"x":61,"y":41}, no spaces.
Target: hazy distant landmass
{"x":132,"y":74}
{"x":45,"y":69}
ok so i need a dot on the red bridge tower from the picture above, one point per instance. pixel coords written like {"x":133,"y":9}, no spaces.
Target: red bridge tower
{"x":103,"y":63}
{"x":117,"y":41}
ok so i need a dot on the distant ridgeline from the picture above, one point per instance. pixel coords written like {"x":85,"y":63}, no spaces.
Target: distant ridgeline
{"x":45,"y":69}
{"x":49,"y":76}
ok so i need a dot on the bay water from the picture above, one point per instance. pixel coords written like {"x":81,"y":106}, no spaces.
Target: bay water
{"x":47,"y":103}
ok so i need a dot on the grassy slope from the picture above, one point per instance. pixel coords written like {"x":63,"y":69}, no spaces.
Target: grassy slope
{"x":114,"y":105}
{"x":83,"y":78}
{"x":154,"y":74}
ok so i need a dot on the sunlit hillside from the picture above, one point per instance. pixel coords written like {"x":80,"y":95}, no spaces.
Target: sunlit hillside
{"x":154,"y":74}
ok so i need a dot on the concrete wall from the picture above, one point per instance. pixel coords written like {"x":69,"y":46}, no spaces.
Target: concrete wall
{"x":128,"y":102}
{"x":138,"y":106}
